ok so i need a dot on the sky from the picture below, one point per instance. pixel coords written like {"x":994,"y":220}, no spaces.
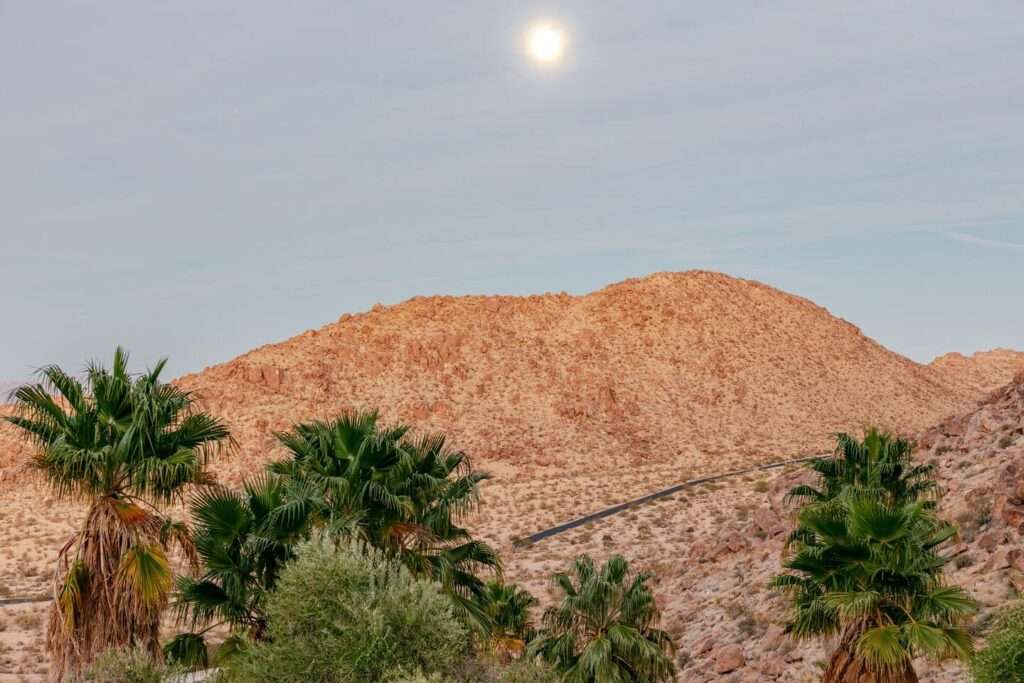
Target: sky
{"x":194,"y":179}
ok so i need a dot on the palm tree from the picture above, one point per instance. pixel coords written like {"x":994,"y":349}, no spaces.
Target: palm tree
{"x":403,"y":495}
{"x":124,"y":444}
{"x":605,"y":627}
{"x":865,"y":565}
{"x":507,"y":607}
{"x":880,"y":463}
{"x":243,"y":539}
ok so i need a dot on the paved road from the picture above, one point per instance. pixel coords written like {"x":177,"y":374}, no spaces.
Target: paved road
{"x":615,"y":509}
{"x":21,"y":601}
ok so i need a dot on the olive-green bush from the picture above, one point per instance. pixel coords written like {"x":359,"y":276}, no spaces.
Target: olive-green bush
{"x":126,"y":665}
{"x":347,"y":615}
{"x":1002,"y":660}
{"x":488,"y":670}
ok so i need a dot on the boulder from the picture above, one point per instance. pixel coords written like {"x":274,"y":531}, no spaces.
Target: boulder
{"x":772,"y":638}
{"x":773,"y":668}
{"x":1012,"y":514}
{"x":988,"y":541}
{"x":729,"y":659}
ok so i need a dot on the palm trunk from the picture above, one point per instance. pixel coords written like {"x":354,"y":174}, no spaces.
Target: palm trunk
{"x":846,"y":667}
{"x":102,"y":613}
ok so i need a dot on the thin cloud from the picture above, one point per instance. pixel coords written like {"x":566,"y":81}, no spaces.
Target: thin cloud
{"x":981,"y":241}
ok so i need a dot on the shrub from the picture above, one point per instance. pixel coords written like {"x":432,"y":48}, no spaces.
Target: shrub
{"x":339,"y":615}
{"x":486,"y":670}
{"x":125,"y":665}
{"x":489,"y":670}
{"x":1002,"y":660}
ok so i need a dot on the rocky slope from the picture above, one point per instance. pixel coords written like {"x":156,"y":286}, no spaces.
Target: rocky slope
{"x":14,"y":451}
{"x":715,"y":548}
{"x":673,"y":367}
{"x":581,"y":402}
{"x":981,"y":372}
{"x":691,"y":368}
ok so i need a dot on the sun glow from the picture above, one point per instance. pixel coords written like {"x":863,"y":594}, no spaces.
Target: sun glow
{"x":545,"y":43}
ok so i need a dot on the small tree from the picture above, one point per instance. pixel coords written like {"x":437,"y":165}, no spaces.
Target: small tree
{"x":880,"y":463}
{"x":243,"y":539}
{"x":404,"y":496}
{"x":347,"y":615}
{"x":123,"y":444}
{"x":865,"y":565}
{"x":605,"y":628}
{"x":507,"y":607}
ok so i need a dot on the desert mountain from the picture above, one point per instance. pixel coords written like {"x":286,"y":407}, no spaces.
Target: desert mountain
{"x":674,"y":365}
{"x":981,"y":372}
{"x":577,"y":403}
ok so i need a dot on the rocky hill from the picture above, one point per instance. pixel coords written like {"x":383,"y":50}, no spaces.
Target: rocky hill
{"x":716,"y":546}
{"x":675,"y":366}
{"x":576,"y":403}
{"x":981,"y":372}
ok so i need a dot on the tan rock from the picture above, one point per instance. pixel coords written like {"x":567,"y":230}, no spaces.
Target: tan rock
{"x":773,"y":668}
{"x":989,"y":541}
{"x":729,"y":658}
{"x":772,"y":638}
{"x":1012,"y":514}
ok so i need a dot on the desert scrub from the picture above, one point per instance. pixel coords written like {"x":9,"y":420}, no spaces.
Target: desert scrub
{"x":341,"y":615}
{"x":486,"y":670}
{"x":126,"y":665}
{"x":1002,"y":660}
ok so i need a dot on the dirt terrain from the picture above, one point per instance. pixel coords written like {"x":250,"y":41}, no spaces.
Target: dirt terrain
{"x":715,"y":547}
{"x":577,"y":403}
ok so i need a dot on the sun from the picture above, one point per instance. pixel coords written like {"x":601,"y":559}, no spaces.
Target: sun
{"x":545,"y":43}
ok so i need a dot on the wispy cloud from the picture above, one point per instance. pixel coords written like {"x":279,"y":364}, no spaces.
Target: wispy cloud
{"x":981,"y":241}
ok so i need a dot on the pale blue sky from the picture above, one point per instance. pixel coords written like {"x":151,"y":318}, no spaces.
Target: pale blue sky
{"x":194,"y":179}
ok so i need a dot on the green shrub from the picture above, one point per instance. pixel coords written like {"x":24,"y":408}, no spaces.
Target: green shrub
{"x":125,"y":665}
{"x":419,"y":677}
{"x":486,"y":669}
{"x":339,"y":615}
{"x":522,"y":671}
{"x":1002,"y":660}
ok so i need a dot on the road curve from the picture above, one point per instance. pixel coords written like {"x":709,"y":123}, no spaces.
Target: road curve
{"x":615,"y":509}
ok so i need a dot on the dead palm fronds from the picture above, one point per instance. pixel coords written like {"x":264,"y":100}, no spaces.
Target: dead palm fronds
{"x":124,"y":444}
